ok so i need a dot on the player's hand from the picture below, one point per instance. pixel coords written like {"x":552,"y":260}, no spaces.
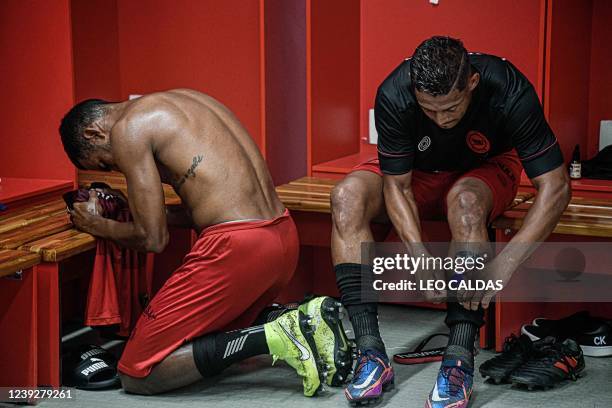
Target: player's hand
{"x":433,"y":296}
{"x":115,"y":192}
{"x":83,"y":219}
{"x":493,"y":271}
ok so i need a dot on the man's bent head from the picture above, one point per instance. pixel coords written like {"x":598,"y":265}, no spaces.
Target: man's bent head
{"x":443,"y":80}
{"x":85,"y":140}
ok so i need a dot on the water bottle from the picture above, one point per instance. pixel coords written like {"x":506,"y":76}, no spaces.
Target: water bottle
{"x":575,"y":166}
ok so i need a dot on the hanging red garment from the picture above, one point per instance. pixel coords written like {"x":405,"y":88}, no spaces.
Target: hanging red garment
{"x":118,"y":288}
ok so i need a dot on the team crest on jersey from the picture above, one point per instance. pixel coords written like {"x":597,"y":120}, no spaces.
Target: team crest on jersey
{"x":478,"y":142}
{"x":424,"y":144}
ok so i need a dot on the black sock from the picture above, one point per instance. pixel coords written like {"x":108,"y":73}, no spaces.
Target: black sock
{"x":215,"y":352}
{"x":461,"y":343}
{"x":273,"y":312}
{"x":363,"y":316}
{"x":463,"y":333}
{"x":364,"y":319}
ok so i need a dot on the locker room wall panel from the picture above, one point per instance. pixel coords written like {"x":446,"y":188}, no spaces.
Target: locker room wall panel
{"x":207,"y":45}
{"x":95,"y":50}
{"x":285,"y":86}
{"x":37,"y":87}
{"x":568,"y":57}
{"x":392,"y":29}
{"x":333,"y":61}
{"x":600,"y":97}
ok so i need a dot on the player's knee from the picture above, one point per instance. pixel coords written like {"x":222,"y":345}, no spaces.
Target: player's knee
{"x":348,"y":205}
{"x":468,"y":208}
{"x":140,"y":386}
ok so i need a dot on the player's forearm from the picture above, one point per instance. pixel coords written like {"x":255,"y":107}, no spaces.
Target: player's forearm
{"x":403,"y":213}
{"x":126,"y":234}
{"x":539,"y":223}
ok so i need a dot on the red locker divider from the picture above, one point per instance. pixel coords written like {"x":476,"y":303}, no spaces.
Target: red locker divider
{"x":566,"y":96}
{"x":600,"y":78}
{"x":332,"y":79}
{"x":392,"y":29}
{"x":389,"y":31}
{"x":37,"y":88}
{"x":95,"y":50}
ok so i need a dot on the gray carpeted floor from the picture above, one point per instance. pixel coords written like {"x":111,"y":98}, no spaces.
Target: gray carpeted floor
{"x":256,"y":384}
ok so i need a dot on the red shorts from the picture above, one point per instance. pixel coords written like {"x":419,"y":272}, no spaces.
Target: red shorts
{"x":501,"y":173}
{"x":233,"y":271}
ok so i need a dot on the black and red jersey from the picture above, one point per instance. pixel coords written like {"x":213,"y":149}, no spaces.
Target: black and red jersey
{"x":504,"y":114}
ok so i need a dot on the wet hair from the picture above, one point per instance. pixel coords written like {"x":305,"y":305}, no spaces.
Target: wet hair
{"x":74,"y":124}
{"x":439,"y":65}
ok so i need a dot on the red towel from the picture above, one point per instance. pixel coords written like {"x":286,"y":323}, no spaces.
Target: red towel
{"x":118,"y":289}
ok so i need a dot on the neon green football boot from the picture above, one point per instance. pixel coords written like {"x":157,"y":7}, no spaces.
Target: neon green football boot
{"x":290,"y":338}
{"x":330,"y":339}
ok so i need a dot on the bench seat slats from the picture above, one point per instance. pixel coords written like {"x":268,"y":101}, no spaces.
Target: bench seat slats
{"x":24,"y":222}
{"x":521,"y":211}
{"x":51,"y":225}
{"x":23,"y":217}
{"x":584,"y":216}
{"x":312,"y":194}
{"x":569,"y":227}
{"x":44,"y":232}
{"x":65,"y":244}
{"x":41,"y":208}
{"x":522,"y":196}
{"x":12,"y":261}
{"x":301,"y":204}
{"x":313,"y":181}
{"x":303,"y":190}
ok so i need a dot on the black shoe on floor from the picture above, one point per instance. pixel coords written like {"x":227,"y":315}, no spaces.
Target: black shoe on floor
{"x":516,"y":352}
{"x":594,"y":335}
{"x":596,"y":340}
{"x":554,"y":364}
{"x":561,"y":329}
{"x":573,"y":321}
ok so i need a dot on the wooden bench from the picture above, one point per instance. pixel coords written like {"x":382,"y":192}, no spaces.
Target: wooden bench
{"x":307,"y":194}
{"x":61,"y":246}
{"x":12,"y":261}
{"x":46,"y":228}
{"x":589,"y":217}
{"x":42,"y":233}
{"x":30,"y":215}
{"x":17,"y":237}
{"x":313,"y":194}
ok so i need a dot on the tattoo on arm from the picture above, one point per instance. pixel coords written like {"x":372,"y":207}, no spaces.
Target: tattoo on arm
{"x":190,"y":172}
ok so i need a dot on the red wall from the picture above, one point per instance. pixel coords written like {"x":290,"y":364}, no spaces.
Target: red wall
{"x":208,"y":45}
{"x":285,"y":62}
{"x":392,"y":29}
{"x":568,"y":72}
{"x":334,"y":86}
{"x":37,"y":89}
{"x":95,"y":49}
{"x":600,"y":98}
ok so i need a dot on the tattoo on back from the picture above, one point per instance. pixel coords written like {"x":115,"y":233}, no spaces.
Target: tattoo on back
{"x":190,"y":172}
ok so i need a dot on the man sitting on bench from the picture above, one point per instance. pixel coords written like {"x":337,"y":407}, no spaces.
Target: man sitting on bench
{"x":246,"y":253}
{"x":453,"y":130}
